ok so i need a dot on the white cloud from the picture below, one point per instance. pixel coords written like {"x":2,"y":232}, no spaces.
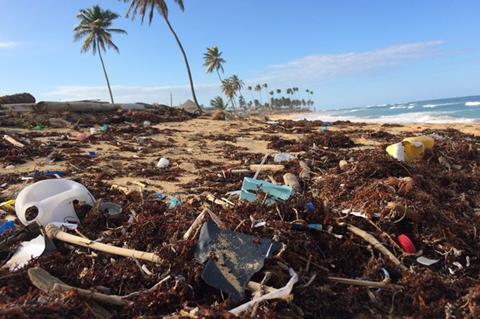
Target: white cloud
{"x":125,"y":93}
{"x":330,"y":66}
{"x":303,"y":71}
{"x":8,"y":45}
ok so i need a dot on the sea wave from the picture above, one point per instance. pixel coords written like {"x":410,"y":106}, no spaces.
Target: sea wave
{"x":472,"y":103}
{"x":412,"y":117}
{"x":430,"y":106}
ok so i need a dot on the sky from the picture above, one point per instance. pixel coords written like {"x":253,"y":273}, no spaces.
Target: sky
{"x":349,"y":52}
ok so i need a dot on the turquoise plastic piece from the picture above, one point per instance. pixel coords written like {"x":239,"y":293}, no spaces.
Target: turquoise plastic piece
{"x":251,"y":187}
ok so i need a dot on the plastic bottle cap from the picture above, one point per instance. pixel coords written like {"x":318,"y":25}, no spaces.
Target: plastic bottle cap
{"x":406,"y":244}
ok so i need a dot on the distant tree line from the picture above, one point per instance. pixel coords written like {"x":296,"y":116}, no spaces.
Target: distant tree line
{"x":232,"y":87}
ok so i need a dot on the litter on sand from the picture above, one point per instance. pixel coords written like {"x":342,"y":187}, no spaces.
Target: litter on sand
{"x":231,"y":258}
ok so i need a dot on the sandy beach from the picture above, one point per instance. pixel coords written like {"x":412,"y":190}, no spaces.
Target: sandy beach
{"x":189,"y":145}
{"x":342,"y":169}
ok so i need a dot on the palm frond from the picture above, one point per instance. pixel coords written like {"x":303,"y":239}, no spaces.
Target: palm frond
{"x":94,"y":28}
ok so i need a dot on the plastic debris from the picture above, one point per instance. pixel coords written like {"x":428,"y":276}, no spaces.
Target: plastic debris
{"x":92,"y":153}
{"x":7,"y":226}
{"x":51,"y":200}
{"x":27,"y":251}
{"x":113,"y":210}
{"x":104,"y":128}
{"x":8,"y":205}
{"x":252,"y":190}
{"x":38,"y":127}
{"x":232,"y":258}
{"x":163,"y":163}
{"x":277,"y":294}
{"x":93,"y":131}
{"x":159,"y":196}
{"x":173,"y":202}
{"x":81,"y":137}
{"x":310,"y":207}
{"x":283,"y":157}
{"x":147,"y":123}
{"x":317,"y":227}
{"x":411,"y":148}
{"x":406,"y":244}
{"x":427,"y":261}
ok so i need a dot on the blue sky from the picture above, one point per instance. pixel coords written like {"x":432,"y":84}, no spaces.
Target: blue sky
{"x":350,"y":52}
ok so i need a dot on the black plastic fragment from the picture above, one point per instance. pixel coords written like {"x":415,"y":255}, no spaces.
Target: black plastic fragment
{"x":233,"y":258}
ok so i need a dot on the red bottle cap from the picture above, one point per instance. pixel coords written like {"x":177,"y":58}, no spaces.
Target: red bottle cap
{"x":406,"y":244}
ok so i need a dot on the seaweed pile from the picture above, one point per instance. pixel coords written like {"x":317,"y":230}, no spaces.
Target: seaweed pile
{"x":342,"y":272}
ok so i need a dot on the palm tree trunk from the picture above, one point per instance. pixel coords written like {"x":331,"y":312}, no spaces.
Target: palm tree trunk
{"x":219,"y":77}
{"x":186,"y":63}
{"x":106,"y":76}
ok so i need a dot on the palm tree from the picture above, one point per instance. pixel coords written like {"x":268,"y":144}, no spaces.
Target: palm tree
{"x":218,"y":103}
{"x":250,"y":89}
{"x":213,"y":61}
{"x":237,"y":83}
{"x":229,"y":88}
{"x":258,"y":88}
{"x":94,"y":26}
{"x":140,"y":7}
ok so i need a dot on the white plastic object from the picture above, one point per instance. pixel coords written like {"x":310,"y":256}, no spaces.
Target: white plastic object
{"x":93,"y":131}
{"x":283,"y":157}
{"x":27,"y":251}
{"x":53,"y":200}
{"x":163,"y":163}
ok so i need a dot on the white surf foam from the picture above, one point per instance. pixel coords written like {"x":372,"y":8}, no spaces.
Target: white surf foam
{"x":472,"y":103}
{"x":414,"y":117}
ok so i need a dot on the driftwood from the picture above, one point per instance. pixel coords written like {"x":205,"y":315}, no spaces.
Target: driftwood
{"x":84,"y":106}
{"x":258,"y":168}
{"x":55,"y":232}
{"x":49,"y":284}
{"x":365,"y":283}
{"x":377,"y":245}
{"x":13,"y":141}
{"x":17,"y":98}
{"x":268,"y":168}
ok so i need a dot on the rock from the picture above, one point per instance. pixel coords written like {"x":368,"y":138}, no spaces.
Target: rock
{"x":218,"y":115}
{"x":58,"y":123}
{"x":343,"y":164}
{"x":291,"y":180}
{"x":163,"y":163}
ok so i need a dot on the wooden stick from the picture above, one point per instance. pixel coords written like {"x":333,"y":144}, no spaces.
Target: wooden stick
{"x":13,"y":141}
{"x":110,"y":299}
{"x":196,"y":223}
{"x":259,"y":167}
{"x":269,"y":167}
{"x":49,"y":284}
{"x":217,"y":201}
{"x":257,"y":287}
{"x":239,"y":171}
{"x":55,"y":232}
{"x":365,"y":283}
{"x":158,"y":284}
{"x":377,"y":245}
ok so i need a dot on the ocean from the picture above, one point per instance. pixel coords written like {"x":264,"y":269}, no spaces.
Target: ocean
{"x":450,"y":110}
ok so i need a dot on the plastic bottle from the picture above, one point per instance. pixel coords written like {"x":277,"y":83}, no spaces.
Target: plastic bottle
{"x":51,"y":200}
